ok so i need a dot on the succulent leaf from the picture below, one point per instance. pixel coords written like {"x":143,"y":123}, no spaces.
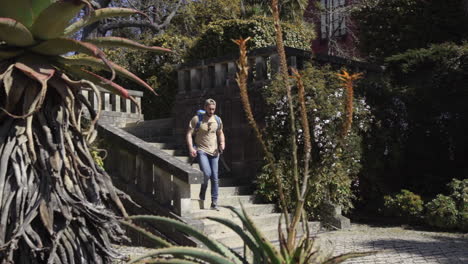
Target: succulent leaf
{"x":14,"y":33}
{"x":97,"y":15}
{"x":10,"y":53}
{"x":19,"y":10}
{"x":103,"y":82}
{"x":124,"y":43}
{"x":237,"y":229}
{"x":213,"y":245}
{"x":39,"y":5}
{"x":266,"y":246}
{"x":99,"y":65}
{"x":197,"y":253}
{"x":53,"y":20}
{"x":60,"y":46}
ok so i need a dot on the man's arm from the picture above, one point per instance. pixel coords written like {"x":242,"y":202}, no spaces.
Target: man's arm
{"x":188,"y":138}
{"x":221,"y":140}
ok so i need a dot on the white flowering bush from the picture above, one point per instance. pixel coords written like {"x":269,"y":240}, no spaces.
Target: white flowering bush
{"x":335,"y":165}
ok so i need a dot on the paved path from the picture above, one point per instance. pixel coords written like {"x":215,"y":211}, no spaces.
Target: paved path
{"x":398,"y":245}
{"x":395,"y":245}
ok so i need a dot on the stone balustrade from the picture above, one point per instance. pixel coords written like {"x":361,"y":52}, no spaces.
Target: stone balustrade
{"x":215,"y":78}
{"x":147,"y":170}
{"x":115,"y":109}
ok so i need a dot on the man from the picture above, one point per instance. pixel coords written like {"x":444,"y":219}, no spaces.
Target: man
{"x":209,"y":144}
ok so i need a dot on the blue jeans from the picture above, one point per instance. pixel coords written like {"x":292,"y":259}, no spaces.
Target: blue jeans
{"x":209,"y":167}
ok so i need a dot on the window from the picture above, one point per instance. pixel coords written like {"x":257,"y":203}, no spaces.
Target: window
{"x":332,"y":18}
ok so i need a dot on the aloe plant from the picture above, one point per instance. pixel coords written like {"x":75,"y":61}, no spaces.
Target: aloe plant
{"x":262,"y":251}
{"x":54,"y":201}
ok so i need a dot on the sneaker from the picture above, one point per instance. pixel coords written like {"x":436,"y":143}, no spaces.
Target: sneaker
{"x":214,"y":207}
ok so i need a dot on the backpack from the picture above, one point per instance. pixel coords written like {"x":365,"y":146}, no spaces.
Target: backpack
{"x":200,"y":114}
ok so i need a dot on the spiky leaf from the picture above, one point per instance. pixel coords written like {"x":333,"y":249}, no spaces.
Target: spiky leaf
{"x":211,"y":244}
{"x":344,"y":257}
{"x":263,"y":243}
{"x":124,"y":43}
{"x":197,"y":253}
{"x":10,"y":53}
{"x":14,"y":33}
{"x":53,"y":20}
{"x":60,"y":46}
{"x":101,"y":81}
{"x":99,"y":65}
{"x":19,"y":10}
{"x":97,"y":15}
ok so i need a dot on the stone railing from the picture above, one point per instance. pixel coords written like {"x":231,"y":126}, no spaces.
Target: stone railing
{"x":116,"y":110}
{"x":215,"y":78}
{"x":147,"y":170}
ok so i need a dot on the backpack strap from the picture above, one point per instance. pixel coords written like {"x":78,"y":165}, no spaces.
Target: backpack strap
{"x":200,"y":119}
{"x":218,"y":120}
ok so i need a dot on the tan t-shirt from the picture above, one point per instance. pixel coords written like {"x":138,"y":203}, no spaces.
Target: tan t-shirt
{"x":205,"y":136}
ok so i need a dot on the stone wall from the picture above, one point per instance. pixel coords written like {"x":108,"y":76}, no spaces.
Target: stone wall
{"x":215,"y":78}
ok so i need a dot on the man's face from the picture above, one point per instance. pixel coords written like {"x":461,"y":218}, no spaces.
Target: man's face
{"x":210,"y":109}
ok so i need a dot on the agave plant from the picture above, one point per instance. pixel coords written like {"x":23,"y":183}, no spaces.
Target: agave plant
{"x":262,"y":251}
{"x":55,"y":203}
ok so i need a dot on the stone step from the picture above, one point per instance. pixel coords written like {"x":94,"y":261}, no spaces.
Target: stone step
{"x":185,"y":158}
{"x":167,"y":145}
{"x":212,"y":227}
{"x":222,"y":191}
{"x":252,"y":210}
{"x":160,"y":139}
{"x":233,"y":200}
{"x":175,"y":152}
{"x":159,"y":123}
{"x":233,"y":240}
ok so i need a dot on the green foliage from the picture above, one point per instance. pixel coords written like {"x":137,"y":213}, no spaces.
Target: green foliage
{"x":406,"y":205}
{"x":459,"y":193}
{"x":196,"y":15}
{"x":419,"y":139}
{"x":214,"y":252}
{"x":442,"y":212}
{"x":292,"y":10}
{"x":158,"y":71}
{"x":333,"y":170}
{"x":216,"y":40}
{"x":97,"y":158}
{"x":394,"y":26}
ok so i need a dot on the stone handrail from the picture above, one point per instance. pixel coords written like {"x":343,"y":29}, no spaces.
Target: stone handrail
{"x":150,"y":170}
{"x":216,"y":73}
{"x":115,"y":109}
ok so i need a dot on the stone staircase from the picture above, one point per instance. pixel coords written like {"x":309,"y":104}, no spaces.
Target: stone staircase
{"x":159,"y":134}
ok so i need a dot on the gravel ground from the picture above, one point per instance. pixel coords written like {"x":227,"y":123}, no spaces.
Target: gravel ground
{"x":395,"y":245}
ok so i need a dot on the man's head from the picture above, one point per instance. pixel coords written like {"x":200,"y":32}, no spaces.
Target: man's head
{"x":210,"y":106}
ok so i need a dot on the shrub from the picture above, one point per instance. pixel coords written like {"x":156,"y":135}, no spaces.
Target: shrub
{"x":459,"y":193}
{"x":406,"y":205}
{"x":158,"y":71}
{"x":442,"y":212}
{"x":216,"y":40}
{"x":332,"y":171}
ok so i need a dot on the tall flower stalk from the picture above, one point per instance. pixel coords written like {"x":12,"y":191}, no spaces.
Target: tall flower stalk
{"x":241,"y":78}
{"x":348,"y":85}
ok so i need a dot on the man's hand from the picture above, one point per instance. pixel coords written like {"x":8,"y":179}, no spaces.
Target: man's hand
{"x":221,"y":147}
{"x":193,"y":152}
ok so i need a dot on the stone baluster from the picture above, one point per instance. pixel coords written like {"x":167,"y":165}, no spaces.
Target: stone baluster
{"x":106,"y":101}
{"x":195,"y":80}
{"x":220,"y":75}
{"x":260,"y":68}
